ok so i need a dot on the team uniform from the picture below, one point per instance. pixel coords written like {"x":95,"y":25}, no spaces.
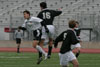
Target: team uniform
{"x":68,"y":38}
{"x":33,"y":24}
{"x":77,"y":32}
{"x":18,"y":36}
{"x":48,"y":16}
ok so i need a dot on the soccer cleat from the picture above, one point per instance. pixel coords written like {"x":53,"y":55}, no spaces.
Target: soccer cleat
{"x":49,"y":57}
{"x":18,"y":51}
{"x":39,"y":60}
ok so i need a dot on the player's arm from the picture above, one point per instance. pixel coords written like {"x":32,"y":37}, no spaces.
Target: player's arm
{"x":40,"y":15}
{"x":74,"y":38}
{"x":23,"y":27}
{"x":57,"y":13}
{"x":58,"y":39}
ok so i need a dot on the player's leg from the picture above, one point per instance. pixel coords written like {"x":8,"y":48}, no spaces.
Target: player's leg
{"x":77,"y":48}
{"x":73,"y":60}
{"x":43,"y":37}
{"x":39,"y":48}
{"x":51,"y":37}
{"x":37,"y":41}
{"x":18,"y":41}
{"x":41,"y":44}
{"x":64,"y":59}
{"x":75,"y":63}
{"x":18,"y":47}
{"x":77,"y":51}
{"x":50,"y":47}
{"x":37,"y":44}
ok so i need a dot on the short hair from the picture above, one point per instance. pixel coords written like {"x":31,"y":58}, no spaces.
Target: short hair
{"x":43,"y":5}
{"x":19,"y":27}
{"x":72,"y":23}
{"x":26,"y":11}
{"x":77,"y":22}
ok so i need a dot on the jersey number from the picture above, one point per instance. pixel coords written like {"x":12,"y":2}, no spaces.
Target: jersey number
{"x":46,"y":15}
{"x":65,"y":34}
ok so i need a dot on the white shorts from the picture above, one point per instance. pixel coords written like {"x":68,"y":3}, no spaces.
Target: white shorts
{"x":66,"y":58}
{"x":75,"y":46}
{"x":51,"y":33}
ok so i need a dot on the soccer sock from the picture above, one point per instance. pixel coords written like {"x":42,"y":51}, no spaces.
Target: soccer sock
{"x":49,"y":50}
{"x":77,"y":54}
{"x":40,"y":54}
{"x":18,"y":49}
{"x":40,"y":49}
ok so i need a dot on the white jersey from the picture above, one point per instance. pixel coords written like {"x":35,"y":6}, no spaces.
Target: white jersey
{"x":33,"y":23}
{"x":18,"y":34}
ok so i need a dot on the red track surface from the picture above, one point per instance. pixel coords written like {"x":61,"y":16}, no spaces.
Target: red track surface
{"x":54,"y":50}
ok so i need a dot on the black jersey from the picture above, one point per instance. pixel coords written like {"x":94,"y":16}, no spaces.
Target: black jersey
{"x":48,"y":15}
{"x":68,"y":38}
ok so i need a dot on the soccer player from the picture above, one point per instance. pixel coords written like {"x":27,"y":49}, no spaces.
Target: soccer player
{"x":67,"y":38}
{"x":48,"y":16}
{"x":34,"y":24}
{"x":18,"y":36}
{"x":77,"y":47}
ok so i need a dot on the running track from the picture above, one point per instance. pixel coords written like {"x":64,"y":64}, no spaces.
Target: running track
{"x":54,"y":50}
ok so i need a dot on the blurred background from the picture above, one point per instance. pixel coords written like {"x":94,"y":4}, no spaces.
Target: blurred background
{"x":86,"y":12}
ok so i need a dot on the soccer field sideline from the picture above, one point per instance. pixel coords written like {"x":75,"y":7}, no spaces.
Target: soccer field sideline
{"x":46,"y":49}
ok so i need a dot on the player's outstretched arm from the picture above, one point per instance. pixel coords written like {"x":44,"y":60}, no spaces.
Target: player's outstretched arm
{"x":22,"y":28}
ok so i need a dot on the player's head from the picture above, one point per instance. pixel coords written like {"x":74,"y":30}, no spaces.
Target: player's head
{"x":77,"y":24}
{"x":26,"y":14}
{"x":43,"y":5}
{"x":72,"y":24}
{"x":19,"y":27}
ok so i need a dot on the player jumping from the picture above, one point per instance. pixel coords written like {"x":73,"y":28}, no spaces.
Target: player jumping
{"x":34,"y":24}
{"x":48,"y":16}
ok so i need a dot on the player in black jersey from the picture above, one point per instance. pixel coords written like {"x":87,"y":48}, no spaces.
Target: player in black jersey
{"x":48,"y":16}
{"x":77,"y":46}
{"x":67,"y":38}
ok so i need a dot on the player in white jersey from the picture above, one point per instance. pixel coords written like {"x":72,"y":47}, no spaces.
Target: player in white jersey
{"x":18,"y":36}
{"x":34,"y":24}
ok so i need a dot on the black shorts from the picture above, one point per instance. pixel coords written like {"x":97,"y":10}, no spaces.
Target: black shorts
{"x":18,"y":40}
{"x":37,"y":34}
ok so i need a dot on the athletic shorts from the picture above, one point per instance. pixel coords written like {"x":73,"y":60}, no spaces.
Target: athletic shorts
{"x":51,"y":33}
{"x":75,"y":46}
{"x":18,"y":40}
{"x":66,"y":58}
{"x":37,"y":34}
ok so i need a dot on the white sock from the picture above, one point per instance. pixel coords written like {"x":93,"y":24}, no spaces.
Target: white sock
{"x":40,"y":49}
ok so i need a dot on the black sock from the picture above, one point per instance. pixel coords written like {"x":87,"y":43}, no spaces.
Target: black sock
{"x":50,"y":50}
{"x":40,"y":54}
{"x":18,"y":50}
{"x":77,"y":54}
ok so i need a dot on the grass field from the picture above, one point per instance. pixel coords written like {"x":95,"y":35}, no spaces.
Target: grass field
{"x":11,"y":59}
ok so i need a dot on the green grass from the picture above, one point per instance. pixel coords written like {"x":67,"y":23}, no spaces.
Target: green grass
{"x":9,"y":59}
